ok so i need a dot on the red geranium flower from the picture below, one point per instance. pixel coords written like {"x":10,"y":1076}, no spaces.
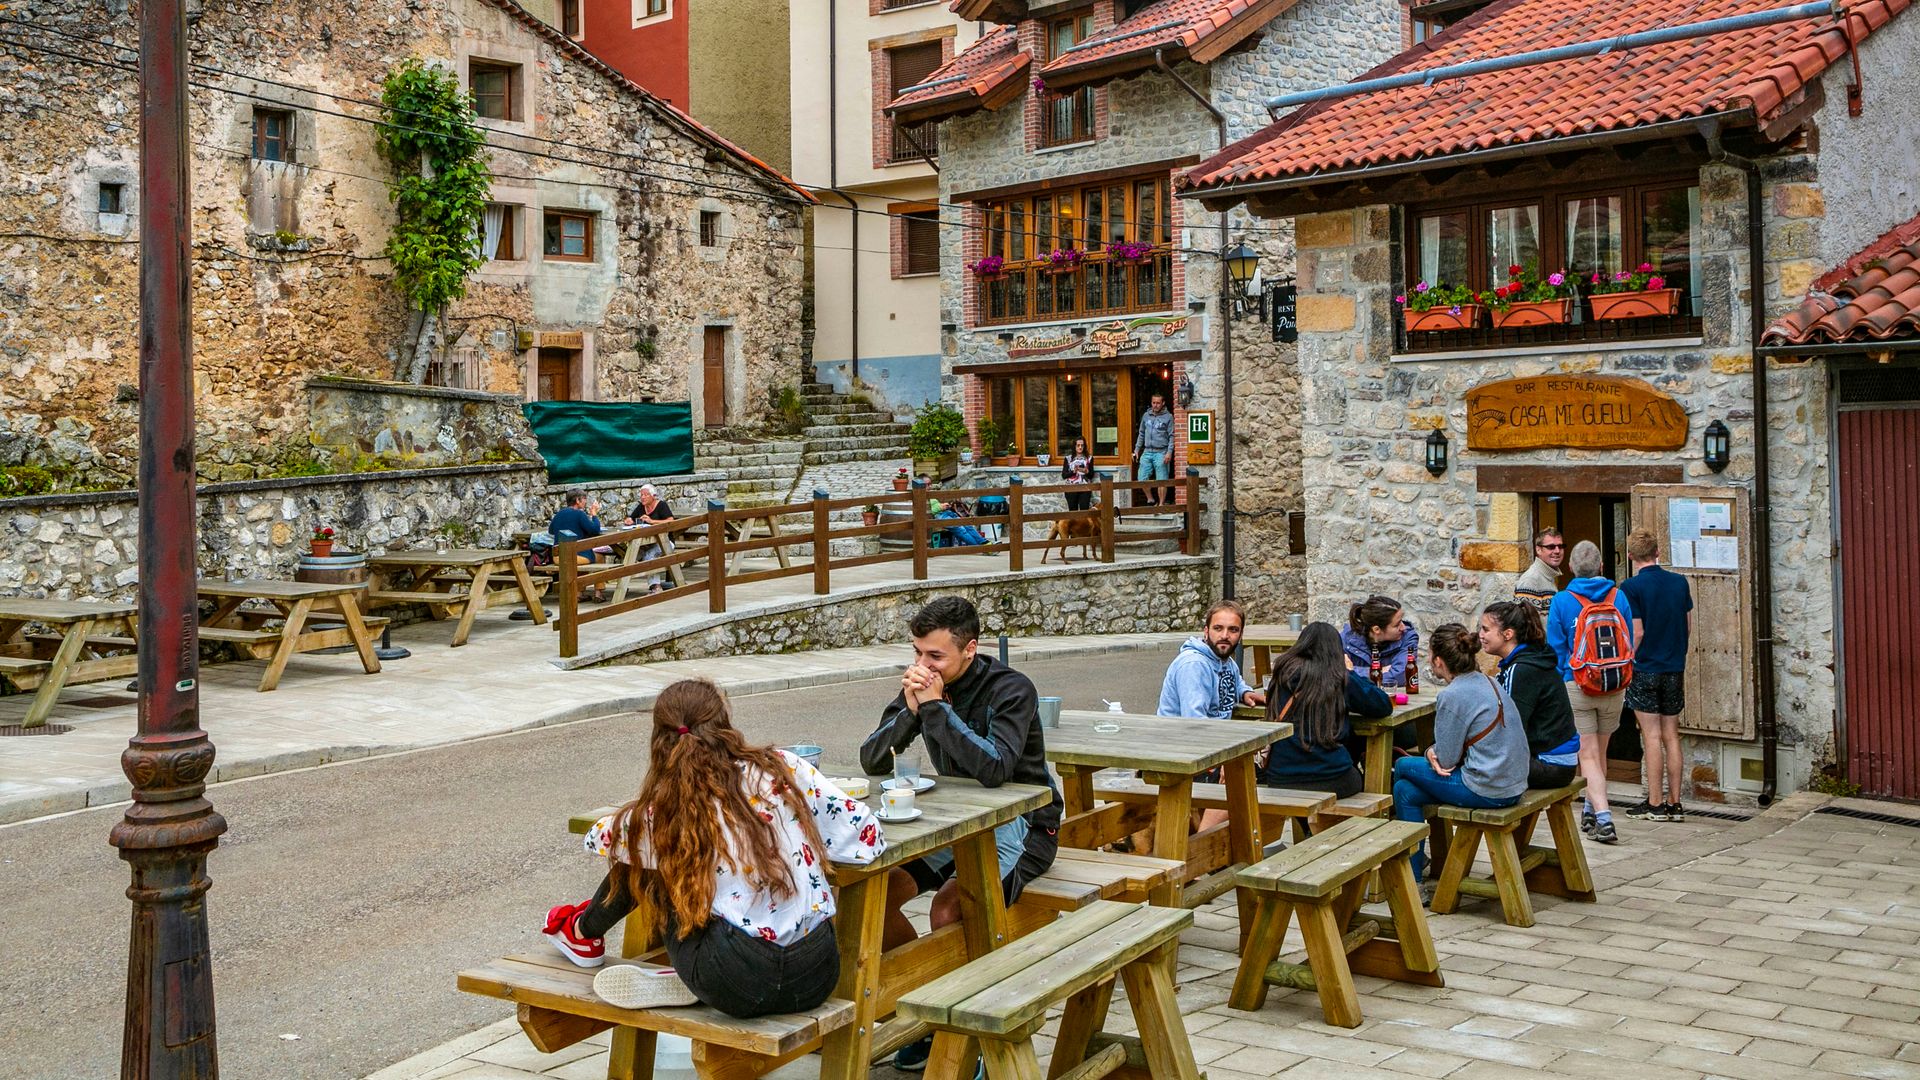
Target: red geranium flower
{"x":1514,"y":270}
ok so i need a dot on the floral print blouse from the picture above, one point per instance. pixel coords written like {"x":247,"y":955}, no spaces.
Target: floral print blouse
{"x":847,"y":827}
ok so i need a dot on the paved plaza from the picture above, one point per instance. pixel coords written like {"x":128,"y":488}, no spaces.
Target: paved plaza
{"x":1785,"y":947}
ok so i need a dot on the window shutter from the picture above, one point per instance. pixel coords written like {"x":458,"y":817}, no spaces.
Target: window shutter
{"x":914,"y":64}
{"x":923,"y":241}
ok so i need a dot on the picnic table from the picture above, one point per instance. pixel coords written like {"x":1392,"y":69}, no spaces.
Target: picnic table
{"x":956,"y":813}
{"x":1260,"y":639}
{"x":78,"y":652}
{"x":742,"y":531}
{"x":1377,"y":770}
{"x":458,"y":581}
{"x":1169,"y":752}
{"x":292,"y":603}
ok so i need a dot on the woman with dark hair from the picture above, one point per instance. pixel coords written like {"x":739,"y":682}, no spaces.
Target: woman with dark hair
{"x":1378,"y":626}
{"x":727,"y":841}
{"x":1315,"y":686}
{"x":1076,"y":467}
{"x":1479,"y":754}
{"x":1512,"y":631}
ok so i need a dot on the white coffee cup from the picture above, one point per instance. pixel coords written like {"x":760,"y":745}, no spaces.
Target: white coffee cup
{"x":896,"y":802}
{"x":855,"y":786}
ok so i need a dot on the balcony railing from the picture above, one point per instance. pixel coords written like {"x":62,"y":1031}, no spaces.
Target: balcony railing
{"x":1026,"y":292}
{"x":926,"y":134}
{"x":1598,"y":332}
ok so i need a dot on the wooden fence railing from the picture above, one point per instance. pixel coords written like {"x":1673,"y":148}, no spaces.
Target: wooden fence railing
{"x":729,"y":535}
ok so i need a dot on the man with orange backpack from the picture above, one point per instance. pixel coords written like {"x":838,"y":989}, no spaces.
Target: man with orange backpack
{"x":1590,"y":630}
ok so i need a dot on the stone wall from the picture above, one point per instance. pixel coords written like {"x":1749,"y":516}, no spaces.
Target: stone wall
{"x":289,"y":278}
{"x":1378,"y":522}
{"x":1086,"y":599}
{"x":418,"y":426}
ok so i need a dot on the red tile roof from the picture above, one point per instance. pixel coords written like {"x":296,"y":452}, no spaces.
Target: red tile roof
{"x":1199,"y":30}
{"x":1873,"y":296}
{"x":985,"y":75}
{"x":1758,"y":70}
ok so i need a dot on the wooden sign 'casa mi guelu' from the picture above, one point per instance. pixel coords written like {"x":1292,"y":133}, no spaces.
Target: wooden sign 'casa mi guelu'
{"x":1581,"y":412}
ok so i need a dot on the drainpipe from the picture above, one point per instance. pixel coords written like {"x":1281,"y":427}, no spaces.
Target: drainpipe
{"x":833,"y":185}
{"x":1762,"y":512}
{"x":1227,"y":537}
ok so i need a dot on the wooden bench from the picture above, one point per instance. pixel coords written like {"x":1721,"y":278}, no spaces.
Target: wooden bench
{"x":1002,"y":999}
{"x":1078,"y":877}
{"x":1321,"y":880}
{"x":557,"y":1008}
{"x":1519,"y":867}
{"x":24,"y":672}
{"x":261,"y":644}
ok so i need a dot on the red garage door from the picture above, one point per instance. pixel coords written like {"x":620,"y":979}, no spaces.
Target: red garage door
{"x":1879,"y":456}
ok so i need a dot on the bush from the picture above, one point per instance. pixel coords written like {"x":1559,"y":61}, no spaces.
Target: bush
{"x":938,"y":430}
{"x":790,"y":410}
{"x":16,"y":480}
{"x":996,"y":435}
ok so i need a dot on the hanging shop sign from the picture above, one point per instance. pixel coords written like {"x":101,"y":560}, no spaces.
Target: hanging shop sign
{"x":1106,"y":341}
{"x":1282,"y":299}
{"x":1581,"y":412}
{"x":1200,"y":436}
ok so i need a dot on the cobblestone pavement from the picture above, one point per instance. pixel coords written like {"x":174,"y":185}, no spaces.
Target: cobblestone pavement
{"x":1786,"y":946}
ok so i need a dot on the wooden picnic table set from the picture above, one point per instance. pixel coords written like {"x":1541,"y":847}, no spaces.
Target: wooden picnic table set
{"x":259,"y":619}
{"x":1098,"y":918}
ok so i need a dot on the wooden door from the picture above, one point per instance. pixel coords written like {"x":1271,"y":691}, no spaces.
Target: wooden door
{"x":1878,"y":447}
{"x":714,"y":361}
{"x":1719,"y":685}
{"x":555,"y":380}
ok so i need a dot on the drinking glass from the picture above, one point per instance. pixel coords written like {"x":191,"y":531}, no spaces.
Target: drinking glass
{"x":906,"y":769}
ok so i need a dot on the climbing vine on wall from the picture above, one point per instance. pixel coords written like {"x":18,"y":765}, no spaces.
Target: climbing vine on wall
{"x":428,"y":134}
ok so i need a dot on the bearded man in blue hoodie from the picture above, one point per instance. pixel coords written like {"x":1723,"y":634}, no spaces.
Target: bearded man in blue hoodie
{"x":1204,"y":681}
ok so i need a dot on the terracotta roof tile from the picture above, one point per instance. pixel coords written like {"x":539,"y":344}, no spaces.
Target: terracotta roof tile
{"x":980,"y":77}
{"x":1873,"y":296}
{"x":1185,"y":29}
{"x":1758,"y":69}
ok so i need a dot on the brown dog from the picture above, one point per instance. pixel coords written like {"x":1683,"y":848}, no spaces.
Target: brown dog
{"x":1070,"y":530}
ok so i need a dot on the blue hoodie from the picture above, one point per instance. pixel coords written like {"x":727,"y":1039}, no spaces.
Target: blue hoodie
{"x":1200,"y":683}
{"x":1565,"y":609}
{"x":1393,"y":655}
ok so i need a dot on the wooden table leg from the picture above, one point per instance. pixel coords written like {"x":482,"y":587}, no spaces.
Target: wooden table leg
{"x":780,"y":552}
{"x":863,"y":908}
{"x":631,"y":1056}
{"x":476,"y":599}
{"x":1243,"y":831}
{"x":296,"y":620}
{"x":1262,"y":664}
{"x":528,"y":593}
{"x":1380,"y":762}
{"x":56,"y":677}
{"x":983,"y":918}
{"x":1257,"y":953}
{"x":1163,"y":1034}
{"x":1172,"y":817}
{"x":357,"y":630}
{"x":632,"y":555}
{"x":1077,"y":785}
{"x":1409,"y":917}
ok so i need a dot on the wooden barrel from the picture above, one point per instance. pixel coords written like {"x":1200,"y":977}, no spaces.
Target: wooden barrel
{"x":343,"y":568}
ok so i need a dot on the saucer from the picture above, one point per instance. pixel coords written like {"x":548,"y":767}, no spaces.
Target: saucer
{"x":920,"y":786}
{"x":896,"y":818}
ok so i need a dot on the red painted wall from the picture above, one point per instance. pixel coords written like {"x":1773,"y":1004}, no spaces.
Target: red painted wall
{"x":654,"y":55}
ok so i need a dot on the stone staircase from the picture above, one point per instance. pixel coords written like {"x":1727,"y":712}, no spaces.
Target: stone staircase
{"x":760,"y":472}
{"x":765,"y":472}
{"x":843,"y":431}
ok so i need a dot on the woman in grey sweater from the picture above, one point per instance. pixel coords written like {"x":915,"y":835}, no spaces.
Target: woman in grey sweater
{"x":1479,"y":754}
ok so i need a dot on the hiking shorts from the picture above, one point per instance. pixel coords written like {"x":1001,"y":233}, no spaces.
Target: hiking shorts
{"x":1595,"y":714}
{"x":1661,"y":694}
{"x":1025,"y":853}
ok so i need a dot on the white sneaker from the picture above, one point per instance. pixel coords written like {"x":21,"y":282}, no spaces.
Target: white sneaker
{"x":633,"y":986}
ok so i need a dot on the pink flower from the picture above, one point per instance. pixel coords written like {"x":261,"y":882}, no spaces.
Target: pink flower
{"x":1656,"y":282}
{"x":1556,"y":279}
{"x":1596,"y":277}
{"x":1619,"y":275}
{"x":1400,"y":299}
{"x":1646,"y":268}
{"x":1039,"y":85}
{"x":1422,"y":287}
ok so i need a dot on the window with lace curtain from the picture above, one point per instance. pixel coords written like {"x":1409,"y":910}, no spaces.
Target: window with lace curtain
{"x":500,"y":232}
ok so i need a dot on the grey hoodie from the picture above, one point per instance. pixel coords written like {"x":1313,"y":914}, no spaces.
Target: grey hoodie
{"x":1496,"y":765}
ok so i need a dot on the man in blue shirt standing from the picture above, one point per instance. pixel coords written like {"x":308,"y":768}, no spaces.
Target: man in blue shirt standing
{"x":1662,"y":624}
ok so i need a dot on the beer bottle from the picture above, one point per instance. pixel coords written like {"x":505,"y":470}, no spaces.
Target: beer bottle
{"x":1413,"y":671}
{"x":1373,"y":669}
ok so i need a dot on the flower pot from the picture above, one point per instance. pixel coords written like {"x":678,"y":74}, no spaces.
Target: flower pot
{"x":1533,"y":313}
{"x":1635,"y":305}
{"x":1443,"y":318}
{"x":901,"y":483}
{"x":320,"y":549}
{"x":870,"y":517}
{"x":1007,"y":460}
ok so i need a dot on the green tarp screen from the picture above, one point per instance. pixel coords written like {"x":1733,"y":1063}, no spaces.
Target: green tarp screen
{"x":612,"y":440}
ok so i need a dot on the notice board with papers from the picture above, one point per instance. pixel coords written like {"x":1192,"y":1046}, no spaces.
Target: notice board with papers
{"x":1703,"y":536}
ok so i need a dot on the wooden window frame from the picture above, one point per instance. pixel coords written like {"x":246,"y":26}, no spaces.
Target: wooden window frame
{"x":563,"y":216}
{"x":1038,"y":217}
{"x":1123,"y":410}
{"x":509,"y":94}
{"x":573,"y":19}
{"x":657,"y":8}
{"x":901,"y":150}
{"x":1083,"y":128}
{"x":907,"y":221}
{"x":282,"y":142}
{"x":509,"y":234}
{"x":709,"y":228}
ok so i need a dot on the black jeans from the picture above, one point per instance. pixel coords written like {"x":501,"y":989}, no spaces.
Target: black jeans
{"x":728,"y":968}
{"x":1542,"y":775}
{"x":1079,"y":500}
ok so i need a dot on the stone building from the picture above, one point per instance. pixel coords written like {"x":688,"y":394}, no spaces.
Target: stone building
{"x":1636,"y":158}
{"x":634,"y":253}
{"x":1064,"y":127}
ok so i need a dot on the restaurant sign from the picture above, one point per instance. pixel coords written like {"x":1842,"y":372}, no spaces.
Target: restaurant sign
{"x":1106,"y":341}
{"x":1582,"y":412}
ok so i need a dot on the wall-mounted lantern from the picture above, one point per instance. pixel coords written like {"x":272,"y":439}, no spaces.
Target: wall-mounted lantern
{"x":1437,"y":452}
{"x":1718,"y":446}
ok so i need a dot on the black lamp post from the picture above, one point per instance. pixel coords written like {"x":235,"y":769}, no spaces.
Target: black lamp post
{"x":1436,"y":451}
{"x":1718,"y":445}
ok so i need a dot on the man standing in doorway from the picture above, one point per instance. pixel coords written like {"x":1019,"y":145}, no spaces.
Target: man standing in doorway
{"x":1153,"y":449}
{"x":1575,"y":620}
{"x":1542,"y":579}
{"x":1662,"y":624}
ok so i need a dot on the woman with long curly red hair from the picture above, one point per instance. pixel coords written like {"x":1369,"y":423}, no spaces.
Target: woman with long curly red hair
{"x":727,"y":843}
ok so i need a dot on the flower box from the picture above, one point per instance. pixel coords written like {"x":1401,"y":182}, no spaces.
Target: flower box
{"x":1443,"y":318}
{"x":1635,"y":305}
{"x":1533,"y":313}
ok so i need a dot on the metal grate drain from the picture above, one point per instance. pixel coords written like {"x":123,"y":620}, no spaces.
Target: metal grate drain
{"x":1719,"y":815}
{"x":10,"y":730}
{"x":1868,"y":815}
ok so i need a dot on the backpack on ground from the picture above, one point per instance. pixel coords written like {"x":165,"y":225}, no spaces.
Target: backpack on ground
{"x":1602,"y":659}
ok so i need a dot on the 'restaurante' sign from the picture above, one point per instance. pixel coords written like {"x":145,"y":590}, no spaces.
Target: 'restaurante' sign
{"x":1583,"y":412}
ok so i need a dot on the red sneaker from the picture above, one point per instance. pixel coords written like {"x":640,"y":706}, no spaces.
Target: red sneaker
{"x":586,"y":952}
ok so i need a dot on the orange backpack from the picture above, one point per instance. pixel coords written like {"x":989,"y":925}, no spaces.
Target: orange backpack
{"x":1602,"y":659}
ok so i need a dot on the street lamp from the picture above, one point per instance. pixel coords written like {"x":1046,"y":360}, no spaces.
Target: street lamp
{"x":1243,"y":264}
{"x":1718,"y":446}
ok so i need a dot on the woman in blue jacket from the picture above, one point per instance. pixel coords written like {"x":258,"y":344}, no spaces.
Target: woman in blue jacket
{"x":1315,"y":687}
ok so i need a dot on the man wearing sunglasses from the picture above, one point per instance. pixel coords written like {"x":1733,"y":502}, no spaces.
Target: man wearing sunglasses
{"x":1542,"y":579}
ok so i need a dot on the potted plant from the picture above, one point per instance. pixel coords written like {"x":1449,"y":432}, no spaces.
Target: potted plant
{"x":902,"y":481}
{"x":870,"y":514}
{"x":1440,"y":307}
{"x":1133,"y":251}
{"x":321,"y":545}
{"x":1065,"y":260}
{"x":1527,"y":299}
{"x":935,"y":439}
{"x":1637,"y":295}
{"x":989,"y":266}
{"x":996,"y":436}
